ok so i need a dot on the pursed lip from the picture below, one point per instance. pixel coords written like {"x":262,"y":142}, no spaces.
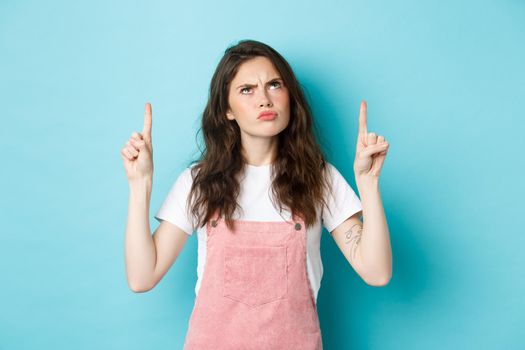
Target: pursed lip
{"x":263,"y":113}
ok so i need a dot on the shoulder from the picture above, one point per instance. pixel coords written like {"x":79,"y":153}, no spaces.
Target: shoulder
{"x":330,"y":167}
{"x":338,"y":184}
{"x":187,"y":174}
{"x":183,"y":182}
{"x":333,"y":174}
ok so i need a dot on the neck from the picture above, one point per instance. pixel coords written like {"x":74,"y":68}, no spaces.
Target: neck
{"x":259,"y":150}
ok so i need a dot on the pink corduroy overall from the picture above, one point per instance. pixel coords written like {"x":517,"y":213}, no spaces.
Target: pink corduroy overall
{"x":255,"y":293}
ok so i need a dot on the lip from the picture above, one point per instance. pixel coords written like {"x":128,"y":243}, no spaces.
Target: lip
{"x":267,"y":114}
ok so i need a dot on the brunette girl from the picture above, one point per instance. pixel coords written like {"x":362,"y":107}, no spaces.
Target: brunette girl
{"x":258,"y":197}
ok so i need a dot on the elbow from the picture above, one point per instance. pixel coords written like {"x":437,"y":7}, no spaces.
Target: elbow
{"x":379,"y":281}
{"x":139,"y":287}
{"x":139,"y":290}
{"x":377,"y":277}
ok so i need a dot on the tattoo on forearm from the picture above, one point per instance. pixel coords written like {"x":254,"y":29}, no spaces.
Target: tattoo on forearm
{"x":353,"y":238}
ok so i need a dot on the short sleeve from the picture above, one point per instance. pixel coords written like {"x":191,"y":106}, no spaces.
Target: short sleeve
{"x":341,"y":200}
{"x":174,"y":208}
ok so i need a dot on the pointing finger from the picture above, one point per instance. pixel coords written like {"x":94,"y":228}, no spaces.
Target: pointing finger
{"x":363,"y":132}
{"x":146,"y":131}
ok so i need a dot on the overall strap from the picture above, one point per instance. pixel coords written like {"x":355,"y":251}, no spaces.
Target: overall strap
{"x":295,"y":220}
{"x":298,"y":222}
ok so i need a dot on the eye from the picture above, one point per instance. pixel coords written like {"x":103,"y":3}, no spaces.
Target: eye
{"x":245,"y":88}
{"x":276,"y":82}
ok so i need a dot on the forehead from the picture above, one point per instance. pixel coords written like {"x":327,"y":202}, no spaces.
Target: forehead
{"x":258,"y":68}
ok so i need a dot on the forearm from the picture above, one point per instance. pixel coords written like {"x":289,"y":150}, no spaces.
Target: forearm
{"x":374,"y":248}
{"x":140,"y":249}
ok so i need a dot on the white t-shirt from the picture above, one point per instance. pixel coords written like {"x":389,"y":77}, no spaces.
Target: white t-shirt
{"x":255,"y":199}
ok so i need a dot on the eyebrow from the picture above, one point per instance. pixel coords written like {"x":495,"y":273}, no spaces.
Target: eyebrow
{"x":251,"y":85}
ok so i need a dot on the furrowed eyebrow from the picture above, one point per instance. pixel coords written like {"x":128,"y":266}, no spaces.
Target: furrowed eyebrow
{"x":252,"y":85}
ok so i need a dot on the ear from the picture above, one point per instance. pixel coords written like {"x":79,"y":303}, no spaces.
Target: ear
{"x":229,"y":115}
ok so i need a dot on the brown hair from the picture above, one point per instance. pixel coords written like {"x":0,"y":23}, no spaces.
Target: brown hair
{"x":299,"y":172}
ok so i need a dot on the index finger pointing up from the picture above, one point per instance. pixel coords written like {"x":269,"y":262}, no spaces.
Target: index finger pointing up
{"x":362,"y":122}
{"x":146,"y":130}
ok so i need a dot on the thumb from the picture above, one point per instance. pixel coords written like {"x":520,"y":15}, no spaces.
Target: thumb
{"x":370,"y":150}
{"x":146,"y":130}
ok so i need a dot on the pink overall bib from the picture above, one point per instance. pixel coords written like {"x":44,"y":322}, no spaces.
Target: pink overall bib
{"x":255,"y":293}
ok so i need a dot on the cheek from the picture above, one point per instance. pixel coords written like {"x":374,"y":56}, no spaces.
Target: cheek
{"x":282,"y":98}
{"x":284,"y":101}
{"x":239,"y":106}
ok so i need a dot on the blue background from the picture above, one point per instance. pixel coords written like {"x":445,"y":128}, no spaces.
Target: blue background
{"x":444,"y":82}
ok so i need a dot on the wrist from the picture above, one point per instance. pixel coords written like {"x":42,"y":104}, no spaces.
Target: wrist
{"x":141,"y":184}
{"x":368,"y":182}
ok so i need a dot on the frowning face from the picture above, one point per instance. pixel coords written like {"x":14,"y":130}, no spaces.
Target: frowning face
{"x":257,"y":88}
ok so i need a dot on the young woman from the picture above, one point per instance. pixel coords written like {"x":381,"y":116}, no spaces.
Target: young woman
{"x":258,"y":198}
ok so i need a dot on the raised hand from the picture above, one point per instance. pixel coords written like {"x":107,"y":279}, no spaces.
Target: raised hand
{"x":371,"y":150}
{"x":137,"y":154}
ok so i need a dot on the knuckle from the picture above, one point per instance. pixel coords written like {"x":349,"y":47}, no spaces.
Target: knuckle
{"x":136,"y":136}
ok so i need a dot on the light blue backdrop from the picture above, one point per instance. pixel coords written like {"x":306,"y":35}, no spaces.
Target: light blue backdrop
{"x":444,"y":82}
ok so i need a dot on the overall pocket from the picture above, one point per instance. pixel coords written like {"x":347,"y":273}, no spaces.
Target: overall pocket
{"x":255,"y":275}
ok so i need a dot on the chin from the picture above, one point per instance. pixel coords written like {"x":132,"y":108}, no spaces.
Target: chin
{"x":276,"y":130}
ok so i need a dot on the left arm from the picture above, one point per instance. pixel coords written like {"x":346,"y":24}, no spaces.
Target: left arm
{"x":375,"y":247}
{"x":367,"y":246}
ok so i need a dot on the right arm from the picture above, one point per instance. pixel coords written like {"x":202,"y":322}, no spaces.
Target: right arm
{"x":148,"y":257}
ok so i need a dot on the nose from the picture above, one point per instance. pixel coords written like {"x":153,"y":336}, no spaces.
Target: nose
{"x":265,"y":100}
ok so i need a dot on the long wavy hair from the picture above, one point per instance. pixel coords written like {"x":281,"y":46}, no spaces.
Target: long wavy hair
{"x":299,"y":172}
